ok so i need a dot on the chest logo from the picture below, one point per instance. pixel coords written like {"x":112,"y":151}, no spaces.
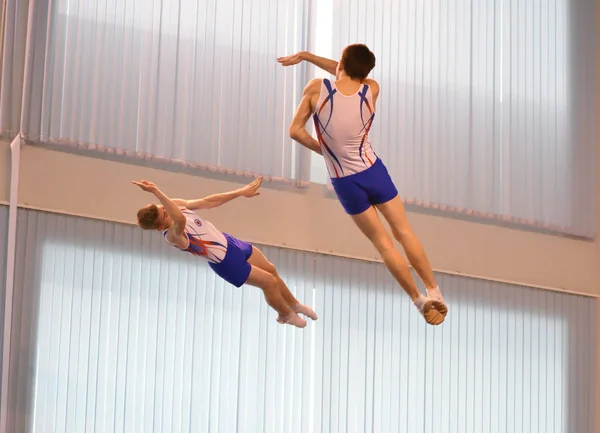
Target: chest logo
{"x":198,"y":222}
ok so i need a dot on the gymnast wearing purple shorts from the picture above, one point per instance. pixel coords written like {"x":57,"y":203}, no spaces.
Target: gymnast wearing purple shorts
{"x":343,"y":111}
{"x":232,"y":259}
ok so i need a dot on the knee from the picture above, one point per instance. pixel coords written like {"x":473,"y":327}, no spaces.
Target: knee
{"x":382,"y":243}
{"x":270,"y":268}
{"x":271,"y":283}
{"x":400,"y":232}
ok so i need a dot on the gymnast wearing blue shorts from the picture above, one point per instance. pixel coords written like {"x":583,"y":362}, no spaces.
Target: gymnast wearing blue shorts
{"x":343,"y":112}
{"x":234,"y":260}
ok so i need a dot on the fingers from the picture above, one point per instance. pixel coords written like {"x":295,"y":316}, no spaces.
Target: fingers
{"x":144,"y":184}
{"x":252,"y":188}
{"x":256,"y":182}
{"x":289,"y":60}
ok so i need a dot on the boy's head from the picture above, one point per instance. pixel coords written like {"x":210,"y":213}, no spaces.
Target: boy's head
{"x":153,"y":217}
{"x":357,"y":61}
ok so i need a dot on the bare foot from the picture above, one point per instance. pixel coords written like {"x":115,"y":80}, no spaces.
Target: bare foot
{"x":292,"y":319}
{"x":306,"y":310}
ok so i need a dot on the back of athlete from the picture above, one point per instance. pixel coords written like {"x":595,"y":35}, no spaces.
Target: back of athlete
{"x":343,"y":112}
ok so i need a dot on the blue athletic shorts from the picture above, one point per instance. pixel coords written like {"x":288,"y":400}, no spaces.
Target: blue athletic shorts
{"x":357,"y":192}
{"x":234,"y":268}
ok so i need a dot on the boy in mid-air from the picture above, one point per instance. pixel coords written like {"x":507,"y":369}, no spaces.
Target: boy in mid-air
{"x":234,"y":260}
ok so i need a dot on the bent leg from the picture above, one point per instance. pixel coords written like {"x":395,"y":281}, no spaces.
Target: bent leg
{"x":270,"y":287}
{"x":259,"y":260}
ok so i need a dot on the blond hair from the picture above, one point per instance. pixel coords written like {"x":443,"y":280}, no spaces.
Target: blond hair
{"x":147,"y":216}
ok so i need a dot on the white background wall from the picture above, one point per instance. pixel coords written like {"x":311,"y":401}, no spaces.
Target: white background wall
{"x":305,"y":219}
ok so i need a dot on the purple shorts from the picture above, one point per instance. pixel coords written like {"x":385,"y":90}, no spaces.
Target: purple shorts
{"x":358,"y":192}
{"x":234,"y":268}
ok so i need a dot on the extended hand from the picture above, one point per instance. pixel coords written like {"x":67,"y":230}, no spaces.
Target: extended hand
{"x":294,"y":59}
{"x":251,"y":189}
{"x":146,"y":185}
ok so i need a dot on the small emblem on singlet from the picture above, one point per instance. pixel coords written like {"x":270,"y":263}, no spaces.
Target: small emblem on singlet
{"x":198,"y":222}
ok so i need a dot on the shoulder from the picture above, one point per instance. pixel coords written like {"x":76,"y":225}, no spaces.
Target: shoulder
{"x":374,"y":85}
{"x":313,"y":86}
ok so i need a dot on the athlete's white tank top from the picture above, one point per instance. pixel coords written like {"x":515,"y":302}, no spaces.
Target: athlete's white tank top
{"x":342,"y":125}
{"x":204,"y":239}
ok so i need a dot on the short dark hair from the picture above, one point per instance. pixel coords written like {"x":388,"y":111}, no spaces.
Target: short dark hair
{"x":147,"y":216}
{"x":357,"y":61}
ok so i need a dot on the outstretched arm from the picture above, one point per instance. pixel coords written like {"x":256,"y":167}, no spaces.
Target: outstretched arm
{"x":171,"y":207}
{"x":320,"y":62}
{"x":306,"y":107}
{"x":215,"y":200}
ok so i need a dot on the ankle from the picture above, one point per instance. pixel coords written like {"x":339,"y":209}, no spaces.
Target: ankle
{"x":436,"y":294}
{"x":289,"y":313}
{"x":414,"y":295}
{"x":285,"y":311}
{"x":420,"y":300}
